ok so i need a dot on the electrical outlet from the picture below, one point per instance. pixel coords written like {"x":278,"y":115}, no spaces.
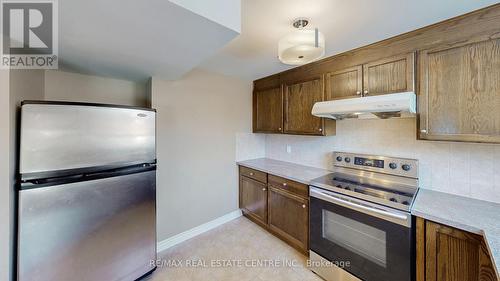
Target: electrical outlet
{"x":288,"y":149}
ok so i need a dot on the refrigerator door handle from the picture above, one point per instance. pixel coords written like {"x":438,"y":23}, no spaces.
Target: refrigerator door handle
{"x":44,"y":182}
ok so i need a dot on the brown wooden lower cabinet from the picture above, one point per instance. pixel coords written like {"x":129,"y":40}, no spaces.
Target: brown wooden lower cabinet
{"x":253,"y":199}
{"x":449,"y":254}
{"x":289,"y":217}
{"x":280,"y":206}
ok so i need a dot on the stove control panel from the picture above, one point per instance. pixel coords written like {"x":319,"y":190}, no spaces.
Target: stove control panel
{"x":369,"y":162}
{"x":388,"y":165}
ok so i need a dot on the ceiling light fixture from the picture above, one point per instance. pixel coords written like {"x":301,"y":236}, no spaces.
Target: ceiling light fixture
{"x":302,"y":45}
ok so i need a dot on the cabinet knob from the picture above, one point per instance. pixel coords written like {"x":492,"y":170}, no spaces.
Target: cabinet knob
{"x":251,"y":173}
{"x":279,"y":129}
{"x":365,"y":92}
{"x":320,"y":129}
{"x":423,"y":131}
{"x":284,"y":184}
{"x":303,"y":206}
{"x":264,"y":189}
{"x":358,"y":92}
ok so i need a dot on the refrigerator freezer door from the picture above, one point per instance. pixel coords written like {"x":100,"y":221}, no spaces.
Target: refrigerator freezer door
{"x":95,"y":230}
{"x":58,"y":137}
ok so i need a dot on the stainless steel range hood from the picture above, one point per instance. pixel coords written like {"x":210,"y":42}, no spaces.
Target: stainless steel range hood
{"x":400,"y":105}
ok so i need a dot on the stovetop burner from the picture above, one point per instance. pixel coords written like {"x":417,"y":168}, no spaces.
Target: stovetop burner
{"x":393,"y":196}
{"x":378,"y":183}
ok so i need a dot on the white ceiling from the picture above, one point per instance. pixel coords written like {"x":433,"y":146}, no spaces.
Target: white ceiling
{"x":346,"y":25}
{"x":229,"y":15}
{"x":137,"y":39}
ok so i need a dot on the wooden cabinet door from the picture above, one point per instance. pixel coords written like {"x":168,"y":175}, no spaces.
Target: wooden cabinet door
{"x":343,"y":84}
{"x":289,"y":217}
{"x":460,"y":92}
{"x":253,"y":199}
{"x":268,"y":110}
{"x":455,"y":255}
{"x":299,"y":100}
{"x":390,"y":75}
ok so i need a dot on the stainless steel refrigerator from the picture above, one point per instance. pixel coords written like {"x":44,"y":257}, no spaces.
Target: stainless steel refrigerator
{"x":87,"y":193}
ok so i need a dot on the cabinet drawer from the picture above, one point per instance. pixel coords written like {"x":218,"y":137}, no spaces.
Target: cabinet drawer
{"x":288,"y":185}
{"x":253,"y":174}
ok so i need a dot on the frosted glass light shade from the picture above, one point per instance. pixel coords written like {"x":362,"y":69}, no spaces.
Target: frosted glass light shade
{"x":299,"y":47}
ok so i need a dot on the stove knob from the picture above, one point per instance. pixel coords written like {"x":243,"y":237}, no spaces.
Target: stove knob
{"x":405,"y":203}
{"x":339,"y":158}
{"x":393,"y":200}
{"x":347,"y":159}
{"x":406,"y":167}
{"x":339,"y":186}
{"x":393,"y":165}
{"x":347,"y":188}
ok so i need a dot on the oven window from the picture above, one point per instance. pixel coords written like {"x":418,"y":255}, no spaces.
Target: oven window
{"x":357,"y":237}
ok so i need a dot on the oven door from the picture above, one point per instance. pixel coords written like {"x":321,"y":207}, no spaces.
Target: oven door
{"x":372,"y":242}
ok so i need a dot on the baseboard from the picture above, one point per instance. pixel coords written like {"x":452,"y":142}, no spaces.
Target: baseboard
{"x":193,"y":232}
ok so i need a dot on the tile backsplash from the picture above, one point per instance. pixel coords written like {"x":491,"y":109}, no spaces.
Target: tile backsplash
{"x":250,"y":146}
{"x":466,"y":169}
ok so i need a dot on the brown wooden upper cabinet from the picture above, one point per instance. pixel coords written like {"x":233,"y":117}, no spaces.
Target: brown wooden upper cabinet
{"x":285,"y":106}
{"x":389,"y":75}
{"x":343,"y":84}
{"x":268,"y":110}
{"x":460,"y":92}
{"x":300,"y":97}
{"x":386,"y":76}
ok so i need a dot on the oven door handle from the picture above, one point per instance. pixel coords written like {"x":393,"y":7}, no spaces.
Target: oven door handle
{"x":402,"y":219}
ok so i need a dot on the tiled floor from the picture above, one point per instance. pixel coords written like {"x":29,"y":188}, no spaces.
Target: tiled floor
{"x":233,"y":251}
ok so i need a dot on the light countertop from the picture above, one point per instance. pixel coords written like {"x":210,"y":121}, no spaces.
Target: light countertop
{"x":476,"y":216}
{"x":472,"y":215}
{"x":291,"y":171}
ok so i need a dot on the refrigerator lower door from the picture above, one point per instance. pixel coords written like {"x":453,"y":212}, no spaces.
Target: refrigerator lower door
{"x":94,"y":230}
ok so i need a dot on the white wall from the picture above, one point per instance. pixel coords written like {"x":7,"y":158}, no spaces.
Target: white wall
{"x":15,"y":85}
{"x":5,"y":200}
{"x":199,"y":119}
{"x":466,"y":169}
{"x":68,"y":86}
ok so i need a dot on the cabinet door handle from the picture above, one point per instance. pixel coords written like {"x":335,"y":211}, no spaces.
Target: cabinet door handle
{"x":365,"y":92}
{"x":284,"y":184}
{"x":303,"y":206}
{"x":358,"y":92}
{"x":264,"y":189}
{"x":423,"y":131}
